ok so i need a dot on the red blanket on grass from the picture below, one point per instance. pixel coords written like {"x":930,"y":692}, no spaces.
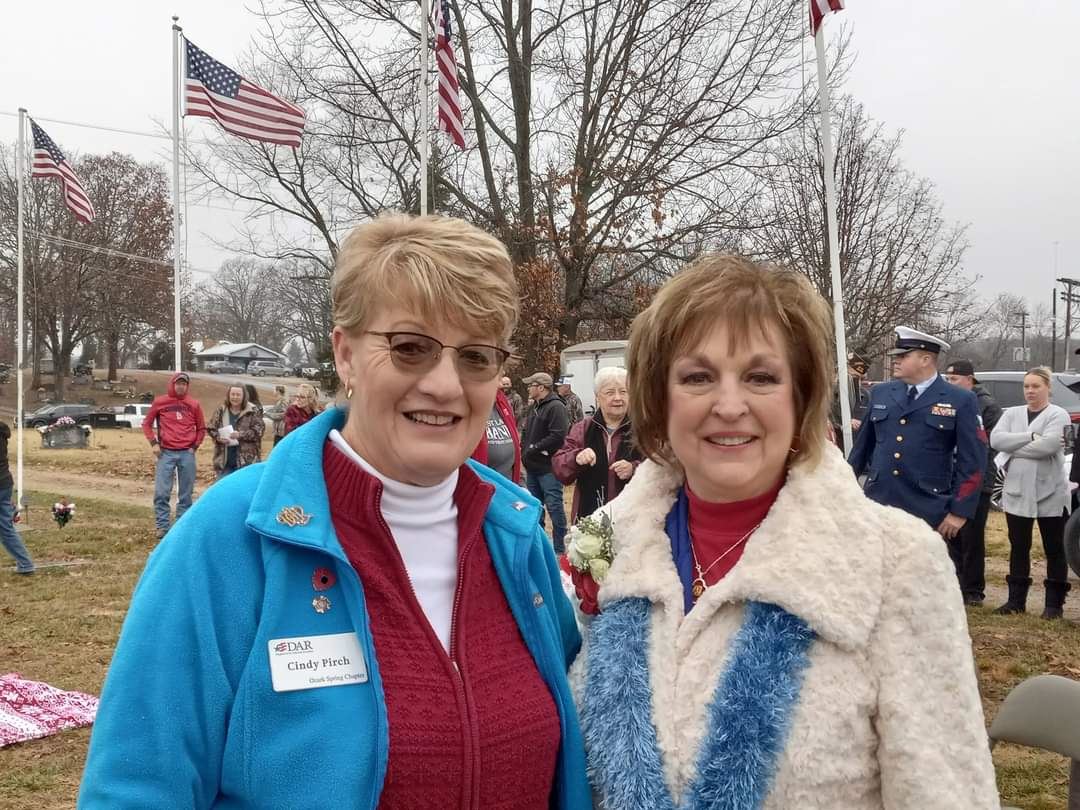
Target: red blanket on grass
{"x":30,"y":709}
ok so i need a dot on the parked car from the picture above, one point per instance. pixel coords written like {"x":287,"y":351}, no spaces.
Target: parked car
{"x":132,"y":415}
{"x":82,"y":414}
{"x":224,"y":367}
{"x":307,"y":372}
{"x":1007,"y":388}
{"x":262,"y":368}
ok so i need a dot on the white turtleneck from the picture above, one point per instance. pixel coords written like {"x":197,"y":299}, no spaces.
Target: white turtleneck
{"x":423,"y":523}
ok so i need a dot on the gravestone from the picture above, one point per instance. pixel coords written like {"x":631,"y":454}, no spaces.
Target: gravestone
{"x":65,"y":437}
{"x":101,"y":385}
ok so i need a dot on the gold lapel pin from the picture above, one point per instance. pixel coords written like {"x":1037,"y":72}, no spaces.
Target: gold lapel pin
{"x":293,"y":516}
{"x":321,"y":604}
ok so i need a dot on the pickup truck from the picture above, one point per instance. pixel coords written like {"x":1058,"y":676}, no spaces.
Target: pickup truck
{"x":132,"y":416}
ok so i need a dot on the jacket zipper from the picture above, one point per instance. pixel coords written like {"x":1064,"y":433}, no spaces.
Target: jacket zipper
{"x":471,"y":734}
{"x":369,"y":650}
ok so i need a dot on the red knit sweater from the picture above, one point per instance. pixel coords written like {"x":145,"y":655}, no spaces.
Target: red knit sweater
{"x":473,"y":729}
{"x":716,"y":527}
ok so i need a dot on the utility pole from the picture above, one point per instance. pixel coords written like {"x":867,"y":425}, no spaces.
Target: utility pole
{"x":1069,"y":297}
{"x":1023,"y":313}
{"x":1053,"y":331}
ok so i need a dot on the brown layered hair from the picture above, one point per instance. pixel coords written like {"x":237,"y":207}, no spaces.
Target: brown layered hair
{"x":747,"y":297}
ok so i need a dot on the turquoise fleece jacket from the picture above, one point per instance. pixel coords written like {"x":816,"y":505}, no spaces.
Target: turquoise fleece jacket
{"x":189,"y":716}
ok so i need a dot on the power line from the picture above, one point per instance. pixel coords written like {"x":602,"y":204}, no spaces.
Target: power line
{"x":102,"y":128}
{"x":76,"y":245}
{"x":63,"y":241}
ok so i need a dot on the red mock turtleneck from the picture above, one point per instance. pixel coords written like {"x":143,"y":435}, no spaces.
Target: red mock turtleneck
{"x":716,"y":527}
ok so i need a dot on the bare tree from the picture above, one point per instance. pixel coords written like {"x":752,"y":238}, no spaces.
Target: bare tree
{"x":606,"y":138}
{"x":242,"y":304}
{"x":901,"y":262}
{"x":89,"y":279}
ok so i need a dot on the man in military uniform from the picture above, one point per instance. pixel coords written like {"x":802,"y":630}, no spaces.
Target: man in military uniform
{"x":858,"y":397}
{"x":922,"y":446}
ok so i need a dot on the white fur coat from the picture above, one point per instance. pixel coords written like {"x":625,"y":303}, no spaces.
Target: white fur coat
{"x":888,"y":712}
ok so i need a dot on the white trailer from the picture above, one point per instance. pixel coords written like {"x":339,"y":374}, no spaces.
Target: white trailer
{"x":581,"y":362}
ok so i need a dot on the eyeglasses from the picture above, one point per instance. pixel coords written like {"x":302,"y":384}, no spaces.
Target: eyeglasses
{"x":418,"y":354}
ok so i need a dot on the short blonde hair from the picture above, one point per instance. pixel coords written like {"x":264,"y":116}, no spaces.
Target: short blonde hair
{"x":1042,"y":372}
{"x":776,"y":302}
{"x":440,"y":267}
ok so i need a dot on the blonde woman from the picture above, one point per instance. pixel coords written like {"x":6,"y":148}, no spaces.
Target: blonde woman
{"x":304,"y":407}
{"x":767,"y":636}
{"x":1029,"y":439}
{"x":367,"y":619}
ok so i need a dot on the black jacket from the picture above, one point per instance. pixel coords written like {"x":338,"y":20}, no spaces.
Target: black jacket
{"x":990,"y":412}
{"x":545,"y":431}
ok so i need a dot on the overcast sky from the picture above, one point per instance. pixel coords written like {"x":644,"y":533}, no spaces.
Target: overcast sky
{"x":988,"y":94}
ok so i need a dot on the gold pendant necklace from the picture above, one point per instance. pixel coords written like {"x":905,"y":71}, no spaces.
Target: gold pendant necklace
{"x":698,"y":586}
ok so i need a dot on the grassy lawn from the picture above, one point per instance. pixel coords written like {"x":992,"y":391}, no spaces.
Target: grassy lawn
{"x":122,"y":453}
{"x":60,"y":626}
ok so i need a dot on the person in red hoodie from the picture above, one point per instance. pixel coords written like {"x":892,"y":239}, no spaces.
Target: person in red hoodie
{"x":175,"y":428}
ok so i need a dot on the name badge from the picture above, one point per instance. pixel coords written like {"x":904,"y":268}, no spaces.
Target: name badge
{"x":312,"y":662}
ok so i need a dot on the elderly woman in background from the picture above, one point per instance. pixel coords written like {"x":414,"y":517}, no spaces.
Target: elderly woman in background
{"x":237,"y":429}
{"x":385,"y":625}
{"x":767,"y":636}
{"x":1029,"y":439}
{"x":303,"y":409}
{"x":599,"y":452}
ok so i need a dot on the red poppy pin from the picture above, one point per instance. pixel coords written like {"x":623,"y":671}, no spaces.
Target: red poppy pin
{"x":323,"y":579}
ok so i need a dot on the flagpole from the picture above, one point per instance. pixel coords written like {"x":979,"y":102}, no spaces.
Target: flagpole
{"x":177,"y":36}
{"x":20,"y":161}
{"x":833,"y":237}
{"x":425,"y":103}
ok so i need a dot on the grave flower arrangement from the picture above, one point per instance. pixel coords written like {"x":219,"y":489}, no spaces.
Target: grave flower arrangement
{"x":62,"y":512}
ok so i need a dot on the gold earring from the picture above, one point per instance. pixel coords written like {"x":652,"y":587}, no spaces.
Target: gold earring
{"x":348,"y":392}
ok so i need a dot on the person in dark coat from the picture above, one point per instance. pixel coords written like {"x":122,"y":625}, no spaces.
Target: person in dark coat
{"x":968,"y":548}
{"x":922,"y":448}
{"x":545,"y":431}
{"x":599,"y":452}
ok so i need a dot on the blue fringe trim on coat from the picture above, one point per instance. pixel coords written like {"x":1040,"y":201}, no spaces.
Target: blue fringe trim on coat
{"x":750,"y":714}
{"x":748,"y":718}
{"x":616,"y":716}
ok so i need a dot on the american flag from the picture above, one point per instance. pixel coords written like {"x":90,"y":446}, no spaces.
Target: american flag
{"x":818,"y":10}
{"x":49,"y":161}
{"x":450,"y":120}
{"x":242,"y":108}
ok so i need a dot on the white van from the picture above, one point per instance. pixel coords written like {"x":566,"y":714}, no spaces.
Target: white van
{"x":133,"y":415}
{"x":581,"y":361}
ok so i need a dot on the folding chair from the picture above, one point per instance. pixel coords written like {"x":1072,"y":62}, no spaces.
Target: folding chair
{"x":1044,"y":712}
